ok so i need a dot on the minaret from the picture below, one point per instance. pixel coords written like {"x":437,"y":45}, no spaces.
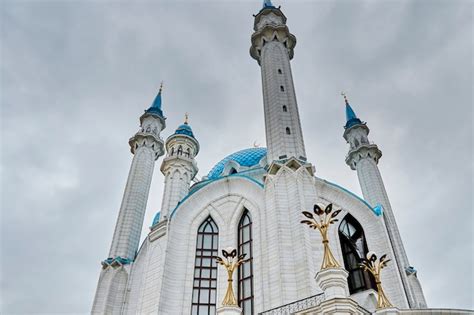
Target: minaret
{"x":179,"y":167}
{"x":363,"y":157}
{"x":146,"y":146}
{"x":272,"y":46}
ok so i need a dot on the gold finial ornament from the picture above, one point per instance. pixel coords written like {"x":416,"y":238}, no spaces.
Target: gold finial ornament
{"x":345,"y":97}
{"x":326,"y":218}
{"x":186,"y":118}
{"x":375,"y":266}
{"x":161,"y":86}
{"x":230,"y":262}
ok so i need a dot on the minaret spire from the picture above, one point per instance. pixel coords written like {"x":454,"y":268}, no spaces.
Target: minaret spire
{"x":363,"y":157}
{"x":272,"y":47}
{"x":146,"y":146}
{"x":179,"y":167}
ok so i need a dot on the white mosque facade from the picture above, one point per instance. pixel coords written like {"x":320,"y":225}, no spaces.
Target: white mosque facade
{"x":251,"y":200}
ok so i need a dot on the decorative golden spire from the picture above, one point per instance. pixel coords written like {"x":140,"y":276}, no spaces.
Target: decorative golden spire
{"x":345,"y":97}
{"x":230,"y":262}
{"x":375,"y":267}
{"x":325,"y":220}
{"x":186,"y":118}
{"x":161,"y":87}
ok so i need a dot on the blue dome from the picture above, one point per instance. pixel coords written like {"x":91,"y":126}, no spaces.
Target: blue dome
{"x":184,"y":129}
{"x":248,"y":157}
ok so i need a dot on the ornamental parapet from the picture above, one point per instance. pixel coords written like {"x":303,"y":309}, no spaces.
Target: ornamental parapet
{"x":363,"y":151}
{"x":296,"y":306}
{"x":115,"y":262}
{"x":270,"y":33}
{"x":147,"y":139}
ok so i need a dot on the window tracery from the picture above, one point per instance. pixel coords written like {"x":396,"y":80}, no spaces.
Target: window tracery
{"x":245,"y":271}
{"x":205,"y":269}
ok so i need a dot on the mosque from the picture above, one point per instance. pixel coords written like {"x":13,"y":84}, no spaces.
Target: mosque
{"x":253,"y":200}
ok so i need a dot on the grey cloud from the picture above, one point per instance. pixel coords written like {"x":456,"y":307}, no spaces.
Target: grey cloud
{"x":77,"y":75}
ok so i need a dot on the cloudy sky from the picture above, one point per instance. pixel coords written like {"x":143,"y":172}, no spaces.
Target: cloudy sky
{"x":76,"y":75}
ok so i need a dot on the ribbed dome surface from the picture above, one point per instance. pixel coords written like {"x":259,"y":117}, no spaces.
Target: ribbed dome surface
{"x":247,"y":157}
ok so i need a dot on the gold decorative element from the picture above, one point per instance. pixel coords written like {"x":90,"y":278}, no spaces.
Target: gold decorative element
{"x":375,"y":267}
{"x":345,"y":97}
{"x":230,"y":262}
{"x":186,"y":118}
{"x":325,"y":220}
{"x":161,"y":86}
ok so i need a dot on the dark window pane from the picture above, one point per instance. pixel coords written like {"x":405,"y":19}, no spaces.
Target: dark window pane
{"x":205,"y":276}
{"x":354,"y":248}
{"x":245,"y":276}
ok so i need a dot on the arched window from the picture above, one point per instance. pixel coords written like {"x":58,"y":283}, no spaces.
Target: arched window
{"x":282,"y":88}
{"x":245,"y":272}
{"x":285,"y":109}
{"x":356,"y":143}
{"x":288,"y":131}
{"x":188,"y":152}
{"x":354,"y":248}
{"x":180,"y":150}
{"x":172,"y":151}
{"x":232,"y":171}
{"x":205,"y":269}
{"x":279,"y":71}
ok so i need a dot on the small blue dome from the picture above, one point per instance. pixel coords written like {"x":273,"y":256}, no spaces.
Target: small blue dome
{"x":248,"y":158}
{"x":184,"y":129}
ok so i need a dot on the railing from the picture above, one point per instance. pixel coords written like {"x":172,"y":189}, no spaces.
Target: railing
{"x":296,"y":306}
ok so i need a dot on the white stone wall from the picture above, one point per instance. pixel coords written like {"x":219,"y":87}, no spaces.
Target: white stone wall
{"x":287,"y":254}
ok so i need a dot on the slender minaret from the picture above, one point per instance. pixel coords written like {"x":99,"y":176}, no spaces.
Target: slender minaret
{"x":363,"y":157}
{"x":272,"y":46}
{"x":146,"y":146}
{"x":179,"y":167}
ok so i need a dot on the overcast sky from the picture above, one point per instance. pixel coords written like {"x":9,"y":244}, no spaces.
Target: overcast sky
{"x":76,"y":76}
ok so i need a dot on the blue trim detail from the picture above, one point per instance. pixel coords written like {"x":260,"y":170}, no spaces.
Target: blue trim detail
{"x":184,"y":129}
{"x":209,"y":181}
{"x":267,"y":4}
{"x":156,"y":219}
{"x":247,"y":157}
{"x":155,"y":107}
{"x":117,"y":260}
{"x":378,"y":209}
{"x":351,"y":118}
{"x":375,"y":210}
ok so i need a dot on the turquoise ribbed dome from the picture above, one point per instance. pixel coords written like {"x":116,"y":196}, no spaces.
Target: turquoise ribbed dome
{"x":248,"y":158}
{"x":184,"y":129}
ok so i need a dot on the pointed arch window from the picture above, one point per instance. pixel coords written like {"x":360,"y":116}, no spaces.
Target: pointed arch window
{"x":180,"y":150}
{"x":245,"y":271}
{"x":354,"y":248}
{"x":285,"y":109}
{"x":205,"y":269}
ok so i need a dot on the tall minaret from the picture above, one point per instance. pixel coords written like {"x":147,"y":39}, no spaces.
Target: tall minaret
{"x":179,"y":167}
{"x":364,"y":156}
{"x":146,"y":146}
{"x":272,"y":46}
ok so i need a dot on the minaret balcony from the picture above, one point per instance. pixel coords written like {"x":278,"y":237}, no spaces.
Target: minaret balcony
{"x":363,"y":151}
